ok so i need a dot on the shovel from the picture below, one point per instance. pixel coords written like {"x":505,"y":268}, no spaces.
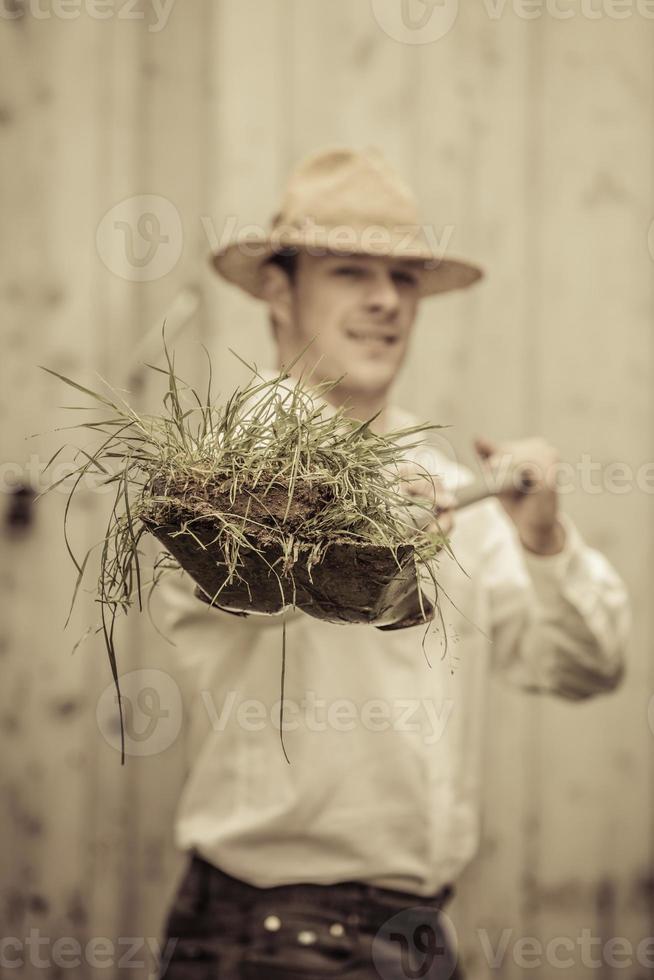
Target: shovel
{"x":354,"y":583}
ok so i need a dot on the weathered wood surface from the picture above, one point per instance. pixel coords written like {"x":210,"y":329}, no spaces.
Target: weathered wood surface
{"x":530,"y":141}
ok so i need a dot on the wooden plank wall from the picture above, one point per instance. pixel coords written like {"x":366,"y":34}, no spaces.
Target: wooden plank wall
{"x":530,"y":139}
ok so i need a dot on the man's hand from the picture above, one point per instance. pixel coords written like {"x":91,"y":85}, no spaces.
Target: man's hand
{"x":533,"y":507}
{"x":427,"y":489}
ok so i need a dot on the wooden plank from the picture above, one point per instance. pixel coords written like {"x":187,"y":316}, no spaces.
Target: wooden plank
{"x":19,"y":821}
{"x":171,"y":131}
{"x":110,"y":814}
{"x":351,"y":82}
{"x":48,"y":270}
{"x":246,"y":126}
{"x":595,"y":186}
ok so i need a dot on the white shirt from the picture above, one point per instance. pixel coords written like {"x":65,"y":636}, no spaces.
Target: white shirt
{"x":384,"y":749}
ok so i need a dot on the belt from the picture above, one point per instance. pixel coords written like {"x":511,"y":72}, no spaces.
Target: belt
{"x":363,"y":905}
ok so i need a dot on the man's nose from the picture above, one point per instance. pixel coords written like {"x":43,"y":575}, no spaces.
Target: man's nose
{"x":383,"y":295}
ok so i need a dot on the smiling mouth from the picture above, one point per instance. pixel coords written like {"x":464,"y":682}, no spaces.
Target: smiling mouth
{"x":372,"y":336}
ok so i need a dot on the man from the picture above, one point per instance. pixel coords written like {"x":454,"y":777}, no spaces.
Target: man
{"x":340,"y":863}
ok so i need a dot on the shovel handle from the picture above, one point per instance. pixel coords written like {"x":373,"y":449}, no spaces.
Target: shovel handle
{"x":480,"y":489}
{"x":474,"y":493}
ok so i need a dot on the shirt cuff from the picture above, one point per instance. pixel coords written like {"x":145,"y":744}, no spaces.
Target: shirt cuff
{"x":549,"y":572}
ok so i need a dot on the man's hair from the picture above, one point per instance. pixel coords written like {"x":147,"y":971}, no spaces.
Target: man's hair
{"x":287,"y":261}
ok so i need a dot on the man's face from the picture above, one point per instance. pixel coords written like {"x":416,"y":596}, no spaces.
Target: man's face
{"x":358,"y":311}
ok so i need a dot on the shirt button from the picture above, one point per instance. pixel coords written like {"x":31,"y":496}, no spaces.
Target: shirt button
{"x":307,"y":937}
{"x":272,"y":923}
{"x":336,"y":929}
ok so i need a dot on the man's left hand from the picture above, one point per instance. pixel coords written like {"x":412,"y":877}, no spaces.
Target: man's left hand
{"x":533,"y":510}
{"x":427,"y":488}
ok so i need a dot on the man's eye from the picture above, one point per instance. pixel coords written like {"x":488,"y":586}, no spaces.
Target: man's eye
{"x":405,"y":278}
{"x":347,"y":270}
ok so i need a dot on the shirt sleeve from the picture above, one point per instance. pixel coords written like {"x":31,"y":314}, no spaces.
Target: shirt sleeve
{"x":559,"y":623}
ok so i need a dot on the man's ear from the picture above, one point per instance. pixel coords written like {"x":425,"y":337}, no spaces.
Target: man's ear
{"x":276,"y":290}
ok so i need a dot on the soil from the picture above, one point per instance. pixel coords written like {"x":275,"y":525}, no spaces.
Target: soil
{"x":352,"y":583}
{"x":269,"y":509}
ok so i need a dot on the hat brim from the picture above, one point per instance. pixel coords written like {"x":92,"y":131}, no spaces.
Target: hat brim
{"x":241,"y":262}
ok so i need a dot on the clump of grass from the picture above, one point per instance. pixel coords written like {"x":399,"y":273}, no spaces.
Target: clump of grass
{"x":274,"y":466}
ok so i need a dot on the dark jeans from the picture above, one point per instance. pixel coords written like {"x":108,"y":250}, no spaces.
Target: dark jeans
{"x":221,"y":928}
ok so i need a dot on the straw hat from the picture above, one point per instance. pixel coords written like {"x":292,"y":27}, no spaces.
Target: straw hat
{"x":339,"y":201}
